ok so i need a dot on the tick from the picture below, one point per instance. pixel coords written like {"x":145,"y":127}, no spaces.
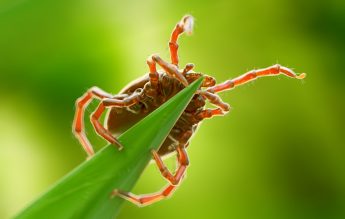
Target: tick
{"x":147,"y":93}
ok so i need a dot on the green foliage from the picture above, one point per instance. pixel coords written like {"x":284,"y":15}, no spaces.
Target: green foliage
{"x":279,"y":152}
{"x":85,"y":192}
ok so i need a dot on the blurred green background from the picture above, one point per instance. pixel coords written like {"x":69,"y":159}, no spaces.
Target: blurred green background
{"x":278,"y":154}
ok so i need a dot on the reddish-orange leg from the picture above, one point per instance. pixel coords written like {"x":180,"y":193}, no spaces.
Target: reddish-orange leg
{"x":188,"y":67}
{"x":100,"y":129}
{"x":185,"y":25}
{"x":122,"y":101}
{"x":209,"y":113}
{"x":170,"y":69}
{"x":252,"y":75}
{"x":173,"y":179}
{"x":183,"y":163}
{"x":216,"y":100}
{"x":142,"y":200}
{"x":222,"y":109}
{"x":78,"y":123}
{"x":154,"y":76}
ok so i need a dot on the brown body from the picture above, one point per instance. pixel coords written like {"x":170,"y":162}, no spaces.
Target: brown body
{"x":120,"y":119}
{"x":146,"y":94}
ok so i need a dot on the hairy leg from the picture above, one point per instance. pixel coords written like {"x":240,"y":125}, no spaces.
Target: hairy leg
{"x":216,"y":100}
{"x":123,"y":101}
{"x":187,"y":68}
{"x":208,"y":81}
{"x":154,"y":76}
{"x":170,"y":69}
{"x":252,"y":75}
{"x":222,"y":109}
{"x":209,"y":113}
{"x":142,"y":200}
{"x":185,"y":25}
{"x":146,"y":199}
{"x":100,"y":129}
{"x":183,"y":162}
{"x":78,"y":123}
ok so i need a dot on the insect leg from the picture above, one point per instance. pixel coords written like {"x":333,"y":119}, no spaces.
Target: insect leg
{"x":187,"y":68}
{"x":147,"y":199}
{"x":192,"y":76}
{"x":252,"y":75}
{"x":154,"y":76}
{"x":216,"y":100}
{"x":78,"y":123}
{"x":170,"y":69}
{"x":106,"y":134}
{"x":183,"y":163}
{"x":185,"y":25}
{"x":209,"y":113}
{"x":123,"y":101}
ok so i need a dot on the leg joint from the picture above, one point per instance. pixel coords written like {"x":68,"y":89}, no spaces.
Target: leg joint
{"x":165,"y":172}
{"x":93,"y":117}
{"x":253,"y":74}
{"x":77,"y":129}
{"x":155,"y":58}
{"x":185,"y":162}
{"x":277,"y":67}
{"x":173,"y":44}
{"x":174,"y":181}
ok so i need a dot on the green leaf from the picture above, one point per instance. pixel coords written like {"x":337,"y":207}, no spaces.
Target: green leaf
{"x":85,"y":192}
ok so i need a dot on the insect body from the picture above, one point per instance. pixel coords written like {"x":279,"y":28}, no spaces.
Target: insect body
{"x":147,"y":93}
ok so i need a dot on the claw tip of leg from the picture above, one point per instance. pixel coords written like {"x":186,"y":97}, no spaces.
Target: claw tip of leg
{"x":114,"y":193}
{"x":117,"y":144}
{"x":121,"y":148}
{"x":188,"y":24}
{"x":301,"y":76}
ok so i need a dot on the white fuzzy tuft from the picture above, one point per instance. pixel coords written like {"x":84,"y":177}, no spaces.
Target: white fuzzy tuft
{"x":188,"y":23}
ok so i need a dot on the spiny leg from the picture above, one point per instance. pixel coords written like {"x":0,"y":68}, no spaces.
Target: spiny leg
{"x":142,"y":200}
{"x":123,"y":101}
{"x":252,"y":75}
{"x":185,"y":25}
{"x":78,"y":123}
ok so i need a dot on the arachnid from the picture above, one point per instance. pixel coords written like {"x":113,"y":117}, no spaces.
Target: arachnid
{"x":147,"y":93}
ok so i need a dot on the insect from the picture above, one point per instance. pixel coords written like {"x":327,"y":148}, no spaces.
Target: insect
{"x":142,"y":96}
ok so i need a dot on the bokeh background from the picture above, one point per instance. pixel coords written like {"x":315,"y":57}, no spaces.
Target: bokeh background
{"x":278,"y":154}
